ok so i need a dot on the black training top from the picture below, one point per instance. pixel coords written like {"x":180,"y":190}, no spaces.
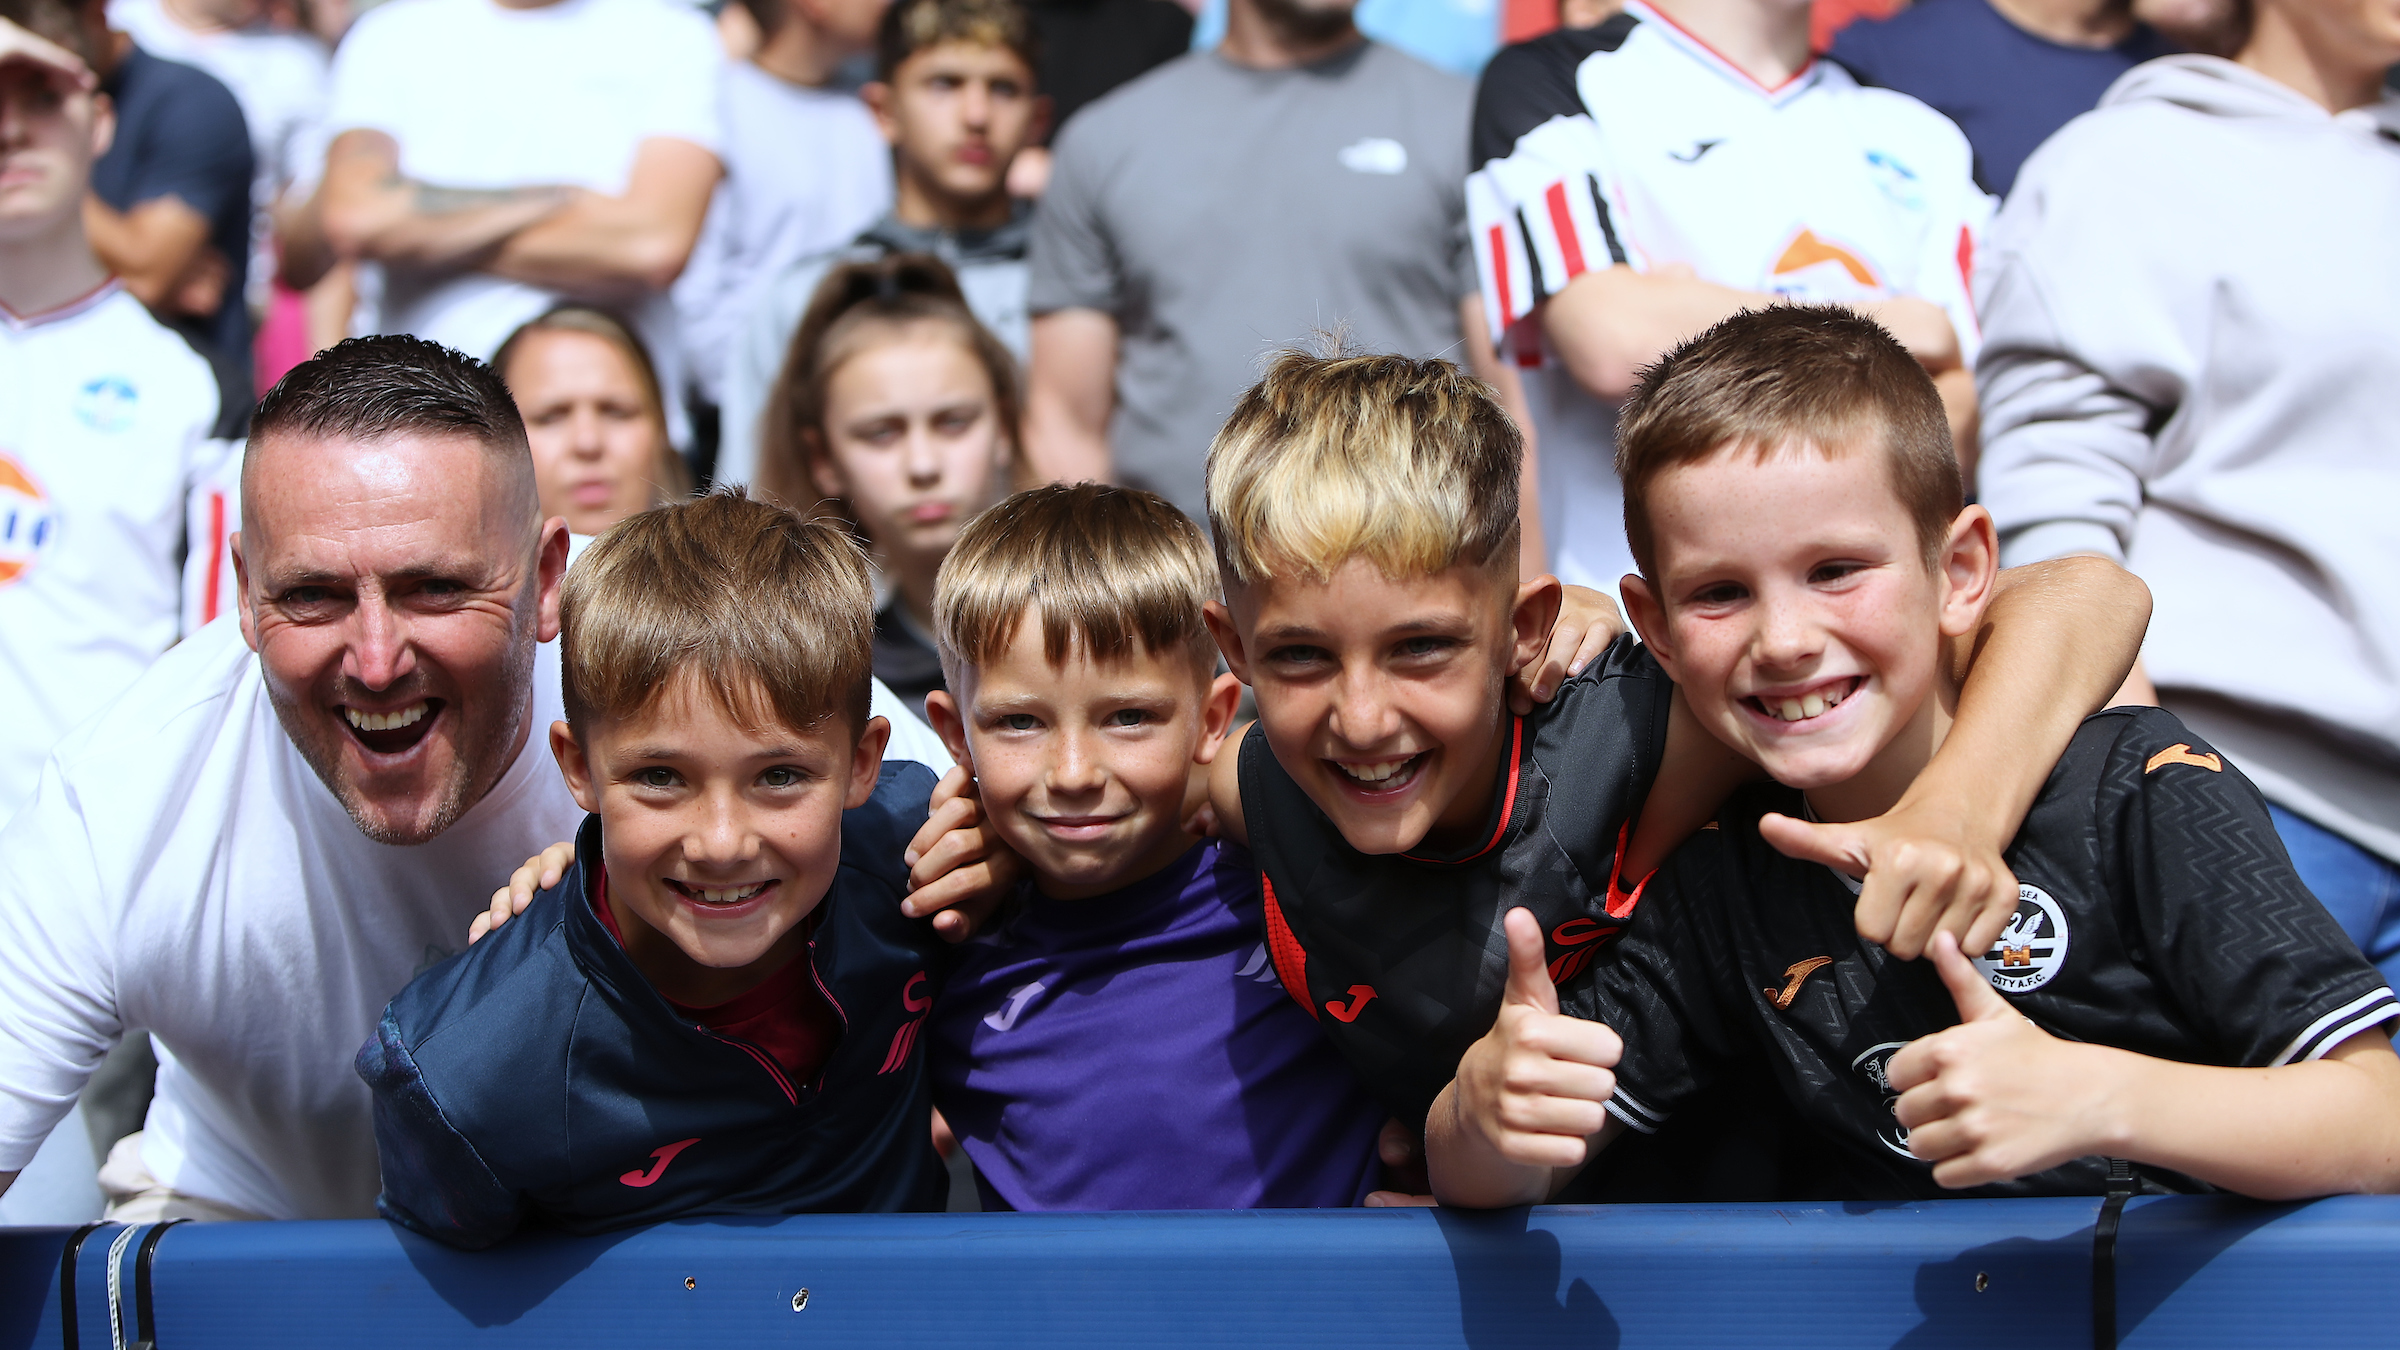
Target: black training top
{"x":537,"y":1077}
{"x":2157,"y":913}
{"x":1401,"y":957}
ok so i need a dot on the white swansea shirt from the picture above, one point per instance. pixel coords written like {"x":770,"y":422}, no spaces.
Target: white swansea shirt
{"x":104,"y":425}
{"x":1633,"y":143}
{"x":183,"y":872}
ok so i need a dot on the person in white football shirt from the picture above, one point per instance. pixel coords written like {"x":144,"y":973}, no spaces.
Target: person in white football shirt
{"x":247,"y":856}
{"x":492,"y":159}
{"x":104,"y":420}
{"x":1638,"y":181}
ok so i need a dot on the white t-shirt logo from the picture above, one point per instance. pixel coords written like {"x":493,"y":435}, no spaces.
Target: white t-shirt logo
{"x":2032,"y":947}
{"x":1374,"y":154}
{"x":27,"y":522}
{"x":106,"y":404}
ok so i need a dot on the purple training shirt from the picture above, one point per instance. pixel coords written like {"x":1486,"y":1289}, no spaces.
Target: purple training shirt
{"x":1135,"y":1051}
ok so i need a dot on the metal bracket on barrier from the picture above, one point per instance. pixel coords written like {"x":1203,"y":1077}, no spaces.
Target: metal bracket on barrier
{"x":145,"y":1325}
{"x":71,"y":1335}
{"x":2104,"y":1254}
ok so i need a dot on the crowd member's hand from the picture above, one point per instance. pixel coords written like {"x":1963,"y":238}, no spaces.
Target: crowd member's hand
{"x":201,"y":288}
{"x":1402,"y":1152}
{"x":1996,"y":1097}
{"x":541,"y":872}
{"x":1928,"y":869}
{"x":22,"y":47}
{"x":1535,"y":1086}
{"x":959,"y":869}
{"x":1587,"y":622}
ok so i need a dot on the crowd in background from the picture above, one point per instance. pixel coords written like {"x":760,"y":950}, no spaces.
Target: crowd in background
{"x":894,"y":255}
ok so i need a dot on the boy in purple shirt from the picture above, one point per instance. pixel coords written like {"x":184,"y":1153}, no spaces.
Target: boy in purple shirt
{"x":1119,"y":1039}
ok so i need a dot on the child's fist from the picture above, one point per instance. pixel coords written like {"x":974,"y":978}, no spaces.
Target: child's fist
{"x":1536,"y":1084}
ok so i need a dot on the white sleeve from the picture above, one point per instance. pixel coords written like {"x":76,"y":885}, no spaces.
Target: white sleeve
{"x":911,"y":738}
{"x":1540,"y":217}
{"x":373,"y":72}
{"x":684,"y":73}
{"x":58,"y":1003}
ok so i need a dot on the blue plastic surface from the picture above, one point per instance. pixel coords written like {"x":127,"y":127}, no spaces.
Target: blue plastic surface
{"x":2193,"y":1271}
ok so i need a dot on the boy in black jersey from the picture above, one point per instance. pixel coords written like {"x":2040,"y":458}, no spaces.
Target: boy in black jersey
{"x":1365,"y":518}
{"x":2166,"y":992}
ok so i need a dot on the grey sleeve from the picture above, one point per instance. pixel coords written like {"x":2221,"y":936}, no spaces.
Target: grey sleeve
{"x":1073,"y":261}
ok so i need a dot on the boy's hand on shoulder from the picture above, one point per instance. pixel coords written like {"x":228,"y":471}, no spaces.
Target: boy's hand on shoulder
{"x":541,"y":872}
{"x":1926,"y":869}
{"x":1996,"y":1097}
{"x":1587,"y":622}
{"x":959,"y":869}
{"x":1535,"y":1085}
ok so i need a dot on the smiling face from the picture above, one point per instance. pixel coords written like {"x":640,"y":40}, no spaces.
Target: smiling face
{"x":1084,"y":766}
{"x":719,"y":838}
{"x":1385,"y":699}
{"x":596,"y":434}
{"x":50,"y":132}
{"x":957,"y":113}
{"x":1794,"y":607}
{"x":914,"y":440}
{"x":394,"y":591}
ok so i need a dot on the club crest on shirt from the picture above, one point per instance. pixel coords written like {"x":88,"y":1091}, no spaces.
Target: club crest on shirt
{"x":27,"y":521}
{"x":1876,"y":1063}
{"x":1374,"y":154}
{"x":1897,"y":180}
{"x":2032,"y":947}
{"x":106,"y":404}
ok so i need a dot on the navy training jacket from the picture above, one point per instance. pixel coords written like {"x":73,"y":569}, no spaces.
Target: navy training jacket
{"x":538,"y":1078}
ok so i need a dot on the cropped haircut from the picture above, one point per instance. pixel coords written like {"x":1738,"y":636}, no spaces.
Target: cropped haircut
{"x":770,"y":611}
{"x":912,"y":26}
{"x":1408,"y":464}
{"x":857,"y":307}
{"x":1821,"y":376}
{"x":1111,"y":568}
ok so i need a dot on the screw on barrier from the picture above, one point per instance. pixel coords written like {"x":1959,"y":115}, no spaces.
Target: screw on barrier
{"x":1982,"y":1282}
{"x":799,"y":1300}
{"x":691,"y":1282}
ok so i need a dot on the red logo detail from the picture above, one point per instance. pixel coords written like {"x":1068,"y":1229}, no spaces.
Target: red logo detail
{"x":1360,"y":996}
{"x":903,"y":1041}
{"x":644,"y":1176}
{"x":1576,"y":932}
{"x":908,"y":994}
{"x":1584,"y":939}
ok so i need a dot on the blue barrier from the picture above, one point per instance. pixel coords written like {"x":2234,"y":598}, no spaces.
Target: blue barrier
{"x":2191,"y":1271}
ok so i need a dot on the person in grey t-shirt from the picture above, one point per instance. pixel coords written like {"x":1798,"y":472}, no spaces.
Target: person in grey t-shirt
{"x":1298,"y":178}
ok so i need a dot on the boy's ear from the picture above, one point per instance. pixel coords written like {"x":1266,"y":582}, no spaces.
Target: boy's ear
{"x":1217,"y":709}
{"x":1535,"y":614}
{"x":1970,"y":567}
{"x":877,"y":95}
{"x":1229,"y":638}
{"x":574,"y":766}
{"x":949,"y":723}
{"x":866,"y":762}
{"x":1649,"y":618}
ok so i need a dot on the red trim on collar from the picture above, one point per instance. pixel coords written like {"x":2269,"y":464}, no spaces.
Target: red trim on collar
{"x":1620,"y":900}
{"x":66,"y":311}
{"x":1508,"y":805}
{"x":1722,"y":59}
{"x":1291,"y":960}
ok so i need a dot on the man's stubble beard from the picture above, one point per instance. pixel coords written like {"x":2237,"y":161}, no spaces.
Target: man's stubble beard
{"x":1306,"y":24}
{"x":474,"y":773}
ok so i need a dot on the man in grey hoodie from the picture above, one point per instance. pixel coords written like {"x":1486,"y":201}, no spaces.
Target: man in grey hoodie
{"x":2191,"y":364}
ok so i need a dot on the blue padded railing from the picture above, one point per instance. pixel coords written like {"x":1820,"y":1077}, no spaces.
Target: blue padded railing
{"x":2190,"y":1271}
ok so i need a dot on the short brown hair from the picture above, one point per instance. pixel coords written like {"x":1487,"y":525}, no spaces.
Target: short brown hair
{"x":1110,"y":567}
{"x":856,"y":307}
{"x":912,"y":26}
{"x":772,"y":612}
{"x":1821,"y":376}
{"x":1409,"y":464}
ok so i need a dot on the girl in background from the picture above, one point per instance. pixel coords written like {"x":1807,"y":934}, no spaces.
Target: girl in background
{"x":590,"y":399}
{"x":898,"y":410}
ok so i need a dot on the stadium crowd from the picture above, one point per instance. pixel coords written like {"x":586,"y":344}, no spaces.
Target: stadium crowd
{"x":612,"y":609}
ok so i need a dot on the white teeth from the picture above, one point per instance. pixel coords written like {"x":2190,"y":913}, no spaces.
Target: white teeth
{"x":728,"y":897}
{"x":1811,"y":706}
{"x":391,"y":721}
{"x":1814,"y":704}
{"x":1374,"y":773}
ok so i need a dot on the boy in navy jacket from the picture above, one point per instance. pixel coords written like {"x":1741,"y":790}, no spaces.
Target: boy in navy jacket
{"x":718,"y":1012}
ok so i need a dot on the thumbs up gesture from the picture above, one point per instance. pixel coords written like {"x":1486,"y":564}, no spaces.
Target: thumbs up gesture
{"x":1532,"y":1089}
{"x":1996,"y":1097}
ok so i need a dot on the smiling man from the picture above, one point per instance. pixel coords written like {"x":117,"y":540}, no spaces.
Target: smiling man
{"x":246,"y":857}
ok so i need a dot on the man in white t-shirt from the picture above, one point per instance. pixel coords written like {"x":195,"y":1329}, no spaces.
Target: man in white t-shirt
{"x":1637,"y":181}
{"x":492,"y":158}
{"x":247,"y":856}
{"x":104,"y":419}
{"x":776,"y":207}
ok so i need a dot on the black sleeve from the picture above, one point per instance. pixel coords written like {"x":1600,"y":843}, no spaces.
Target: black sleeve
{"x":434,"y":1180}
{"x":1656,"y":988}
{"x":2258,"y":967}
{"x":1531,"y":82}
{"x":1602,"y":739}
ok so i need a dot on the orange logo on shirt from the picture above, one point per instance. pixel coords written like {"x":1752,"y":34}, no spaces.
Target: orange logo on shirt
{"x":27,"y":522}
{"x":1806,"y":250}
{"x":2181,"y":753}
{"x":1795,"y":976}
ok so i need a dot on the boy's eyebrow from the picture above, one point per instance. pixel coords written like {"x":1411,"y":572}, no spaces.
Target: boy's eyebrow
{"x":1301,"y":632}
{"x":664,"y":751}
